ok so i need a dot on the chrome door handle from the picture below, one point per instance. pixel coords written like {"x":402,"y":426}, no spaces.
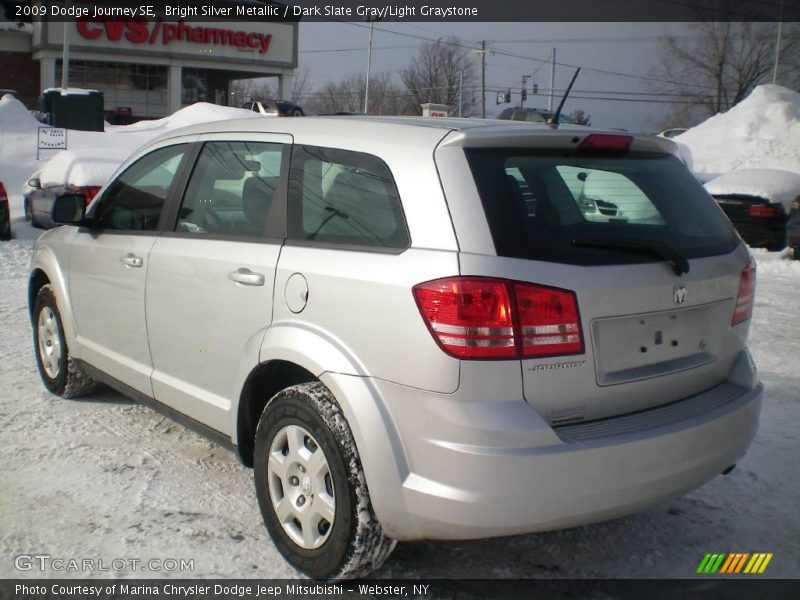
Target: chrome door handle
{"x":246,"y":277}
{"x":132,"y":260}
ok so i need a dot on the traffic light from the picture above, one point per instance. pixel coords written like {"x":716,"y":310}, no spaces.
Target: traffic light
{"x":535,"y":88}
{"x":524,"y":94}
{"x":508,"y":97}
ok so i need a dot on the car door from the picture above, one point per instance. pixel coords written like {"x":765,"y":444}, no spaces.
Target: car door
{"x":210,"y":280}
{"x":108,"y":266}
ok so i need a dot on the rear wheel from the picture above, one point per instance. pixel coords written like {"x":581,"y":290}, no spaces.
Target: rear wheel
{"x":796,"y":252}
{"x":311,"y":487}
{"x":59,"y":373}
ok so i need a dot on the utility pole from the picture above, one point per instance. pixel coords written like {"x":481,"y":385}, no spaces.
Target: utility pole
{"x":778,"y":47}
{"x":460,"y":91}
{"x":552,"y":81}
{"x":369,"y":67}
{"x":483,"y":79}
{"x":65,"y":52}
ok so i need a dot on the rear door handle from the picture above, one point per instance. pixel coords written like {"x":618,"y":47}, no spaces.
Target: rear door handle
{"x":132,"y":260}
{"x":246,"y":277}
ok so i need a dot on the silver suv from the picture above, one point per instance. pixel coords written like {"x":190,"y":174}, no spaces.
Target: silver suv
{"x":413,"y":329}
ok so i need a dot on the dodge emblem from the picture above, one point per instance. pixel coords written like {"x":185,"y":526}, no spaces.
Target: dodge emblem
{"x":679,"y":295}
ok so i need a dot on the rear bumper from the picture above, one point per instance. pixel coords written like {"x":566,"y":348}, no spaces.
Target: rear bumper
{"x":482,"y":469}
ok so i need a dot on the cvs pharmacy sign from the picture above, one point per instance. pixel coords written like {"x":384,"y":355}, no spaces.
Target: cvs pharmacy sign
{"x":141,"y":31}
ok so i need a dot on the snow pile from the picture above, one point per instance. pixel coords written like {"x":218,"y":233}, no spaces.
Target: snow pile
{"x":771,"y":184}
{"x":91,"y":156}
{"x":201,"y":112}
{"x":762,"y":131}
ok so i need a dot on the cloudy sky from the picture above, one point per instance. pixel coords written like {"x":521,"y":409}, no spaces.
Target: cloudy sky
{"x":331,"y":51}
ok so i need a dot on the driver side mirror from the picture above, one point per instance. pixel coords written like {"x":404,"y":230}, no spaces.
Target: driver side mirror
{"x":69,"y":209}
{"x":35,"y":183}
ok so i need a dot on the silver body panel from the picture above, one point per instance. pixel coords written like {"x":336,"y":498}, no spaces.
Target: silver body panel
{"x":450,"y":449}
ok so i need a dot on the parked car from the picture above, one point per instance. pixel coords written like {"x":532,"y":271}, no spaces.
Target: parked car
{"x":38,"y":200}
{"x":5,"y":214}
{"x":757,"y":201}
{"x":274,"y":108}
{"x":532,"y":115}
{"x":793,"y":229}
{"x":403,"y":341}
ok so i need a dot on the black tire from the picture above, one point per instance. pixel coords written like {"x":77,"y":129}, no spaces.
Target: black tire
{"x":68,"y":380}
{"x":355,"y":546}
{"x":796,"y":252}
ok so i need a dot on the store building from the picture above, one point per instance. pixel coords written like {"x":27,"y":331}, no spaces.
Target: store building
{"x":148,"y":69}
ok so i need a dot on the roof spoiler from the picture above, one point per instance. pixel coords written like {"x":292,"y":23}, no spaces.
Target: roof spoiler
{"x":553,"y":121}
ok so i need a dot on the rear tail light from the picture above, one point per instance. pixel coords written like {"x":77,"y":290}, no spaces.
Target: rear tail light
{"x":482,"y":318}
{"x":764,"y":212}
{"x":549,"y":320}
{"x":90,"y":191}
{"x":747,"y":292}
{"x":3,"y":195}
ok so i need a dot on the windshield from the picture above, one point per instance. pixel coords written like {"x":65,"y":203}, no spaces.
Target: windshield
{"x":543,"y":206}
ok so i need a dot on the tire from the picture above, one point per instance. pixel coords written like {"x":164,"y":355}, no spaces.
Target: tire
{"x":796,"y":252}
{"x":27,"y":208}
{"x":297,"y":424}
{"x":59,"y":373}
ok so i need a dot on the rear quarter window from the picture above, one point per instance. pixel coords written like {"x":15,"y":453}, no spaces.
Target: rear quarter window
{"x":340,"y":197}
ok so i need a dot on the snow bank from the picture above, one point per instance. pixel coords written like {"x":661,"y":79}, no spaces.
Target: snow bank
{"x":762,"y":131}
{"x":771,"y":184}
{"x":91,"y":156}
{"x":201,"y":112}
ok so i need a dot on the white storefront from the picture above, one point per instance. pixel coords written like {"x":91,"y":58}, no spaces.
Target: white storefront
{"x":153,"y":68}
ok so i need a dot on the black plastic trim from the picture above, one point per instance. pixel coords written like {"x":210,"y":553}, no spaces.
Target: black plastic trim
{"x":123,"y":388}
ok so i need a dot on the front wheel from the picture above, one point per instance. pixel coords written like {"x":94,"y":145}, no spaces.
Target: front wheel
{"x":311,"y":487}
{"x":60,"y":374}
{"x":796,"y":252}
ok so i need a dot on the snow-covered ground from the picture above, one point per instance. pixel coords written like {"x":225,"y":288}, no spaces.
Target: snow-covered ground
{"x":105,"y":478}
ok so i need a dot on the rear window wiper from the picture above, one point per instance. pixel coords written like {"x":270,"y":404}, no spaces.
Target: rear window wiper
{"x":648,"y":247}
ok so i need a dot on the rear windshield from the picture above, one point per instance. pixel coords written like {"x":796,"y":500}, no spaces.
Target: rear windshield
{"x":572,"y":209}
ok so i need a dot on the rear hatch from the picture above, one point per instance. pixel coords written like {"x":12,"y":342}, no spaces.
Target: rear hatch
{"x":654,"y":265}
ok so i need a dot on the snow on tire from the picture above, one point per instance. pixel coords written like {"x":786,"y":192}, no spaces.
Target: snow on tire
{"x":59,"y":372}
{"x":284,"y":469}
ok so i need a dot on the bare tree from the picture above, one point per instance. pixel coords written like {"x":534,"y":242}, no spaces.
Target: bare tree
{"x":581,"y":117}
{"x":720,"y":64}
{"x":385,"y":96}
{"x":439,"y":72}
{"x":299,"y":84}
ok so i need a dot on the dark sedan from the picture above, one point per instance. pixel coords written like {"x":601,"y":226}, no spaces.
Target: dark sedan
{"x":758,"y":202}
{"x":38,"y":201}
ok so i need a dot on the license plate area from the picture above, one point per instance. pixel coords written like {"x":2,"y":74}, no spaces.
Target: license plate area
{"x":649,"y":345}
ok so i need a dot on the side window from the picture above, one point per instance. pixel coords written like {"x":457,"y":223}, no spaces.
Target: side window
{"x":135,"y":200}
{"x":343,"y":197}
{"x":232,"y":189}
